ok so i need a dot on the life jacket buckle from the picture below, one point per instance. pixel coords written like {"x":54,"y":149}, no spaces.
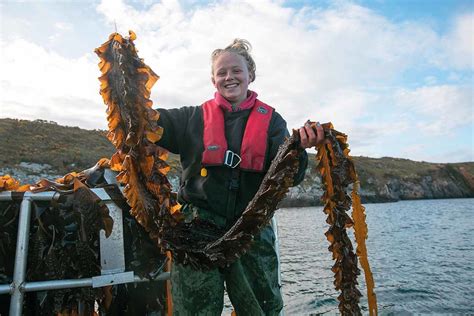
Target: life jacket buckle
{"x":232,"y":159}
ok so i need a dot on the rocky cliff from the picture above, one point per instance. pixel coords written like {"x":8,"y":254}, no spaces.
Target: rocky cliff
{"x":393,"y":179}
{"x":38,"y":149}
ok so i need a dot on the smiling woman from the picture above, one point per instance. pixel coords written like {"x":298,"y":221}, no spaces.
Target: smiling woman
{"x":226,"y":146}
{"x":220,"y":233}
{"x":238,"y":162}
{"x":232,"y":71}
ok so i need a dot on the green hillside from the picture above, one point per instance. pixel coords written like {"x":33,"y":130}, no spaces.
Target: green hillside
{"x":65,"y":148}
{"x":68,"y":149}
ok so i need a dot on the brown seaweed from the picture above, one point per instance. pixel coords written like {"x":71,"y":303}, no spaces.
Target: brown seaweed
{"x":230,"y":245}
{"x":361,"y":230}
{"x":64,"y":245}
{"x":133,"y":130}
{"x":8,"y":183}
{"x":9,"y":214}
{"x":126,"y":83}
{"x":338,"y":172}
{"x":198,"y":242}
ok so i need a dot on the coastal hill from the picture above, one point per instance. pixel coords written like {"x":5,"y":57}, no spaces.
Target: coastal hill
{"x":31,"y":150}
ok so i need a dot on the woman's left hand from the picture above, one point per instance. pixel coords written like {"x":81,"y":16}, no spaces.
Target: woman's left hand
{"x":311,"y":137}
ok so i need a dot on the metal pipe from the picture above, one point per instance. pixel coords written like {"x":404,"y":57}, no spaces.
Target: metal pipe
{"x":41,"y":196}
{"x":19,"y":286}
{"x":49,"y":195}
{"x":21,"y":256}
{"x":73,"y":283}
{"x":56,"y":284}
{"x":5,"y":289}
{"x":6,"y":196}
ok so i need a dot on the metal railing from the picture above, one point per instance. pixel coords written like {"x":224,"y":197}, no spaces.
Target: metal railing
{"x":111,"y":251}
{"x":111,"y":254}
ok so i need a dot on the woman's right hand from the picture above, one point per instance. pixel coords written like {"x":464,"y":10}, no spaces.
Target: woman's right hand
{"x":311,"y":136}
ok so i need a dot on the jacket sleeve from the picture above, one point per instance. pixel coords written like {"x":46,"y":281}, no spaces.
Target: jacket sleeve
{"x":278,"y":132}
{"x":174,"y":123}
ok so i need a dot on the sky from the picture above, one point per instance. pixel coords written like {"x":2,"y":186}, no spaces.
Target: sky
{"x":395,"y":76}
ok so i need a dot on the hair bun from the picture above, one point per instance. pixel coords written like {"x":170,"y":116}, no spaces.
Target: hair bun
{"x":241,"y":44}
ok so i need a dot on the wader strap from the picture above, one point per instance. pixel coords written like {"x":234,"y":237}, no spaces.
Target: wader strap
{"x":232,"y":198}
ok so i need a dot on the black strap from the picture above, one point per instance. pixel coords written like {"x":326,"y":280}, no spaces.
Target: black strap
{"x":233,"y":188}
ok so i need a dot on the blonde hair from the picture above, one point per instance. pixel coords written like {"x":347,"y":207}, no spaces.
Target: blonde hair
{"x":240,"y":47}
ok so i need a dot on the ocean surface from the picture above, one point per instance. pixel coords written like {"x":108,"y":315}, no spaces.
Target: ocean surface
{"x":421,"y":254}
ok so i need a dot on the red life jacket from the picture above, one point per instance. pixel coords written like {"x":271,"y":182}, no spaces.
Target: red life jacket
{"x":254,"y":142}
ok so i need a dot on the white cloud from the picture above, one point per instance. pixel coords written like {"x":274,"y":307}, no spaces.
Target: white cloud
{"x":343,"y":64}
{"x":37,"y":83}
{"x":459,"y":43}
{"x":441,"y":109}
{"x":63,"y":26}
{"x":61,"y":29}
{"x":304,"y":58}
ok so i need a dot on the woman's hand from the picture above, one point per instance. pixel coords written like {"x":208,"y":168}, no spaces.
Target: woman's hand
{"x":309,"y":137}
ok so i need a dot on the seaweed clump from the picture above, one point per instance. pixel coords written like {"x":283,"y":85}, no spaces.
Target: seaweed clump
{"x":64,"y":244}
{"x":126,"y":84}
{"x":125,"y":87}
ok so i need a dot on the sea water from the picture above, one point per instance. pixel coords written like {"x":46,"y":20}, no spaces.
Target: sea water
{"x":421,"y":254}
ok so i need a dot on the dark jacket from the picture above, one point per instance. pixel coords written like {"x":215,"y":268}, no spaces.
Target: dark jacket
{"x":183,"y":135}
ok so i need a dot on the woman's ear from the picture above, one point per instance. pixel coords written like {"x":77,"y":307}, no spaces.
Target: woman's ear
{"x":213,"y":81}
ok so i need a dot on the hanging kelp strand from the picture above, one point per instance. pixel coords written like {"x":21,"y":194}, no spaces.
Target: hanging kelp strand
{"x":126,"y":84}
{"x":338,"y":172}
{"x":361,"y":230}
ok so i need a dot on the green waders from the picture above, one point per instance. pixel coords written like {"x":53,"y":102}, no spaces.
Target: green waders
{"x":251,"y":281}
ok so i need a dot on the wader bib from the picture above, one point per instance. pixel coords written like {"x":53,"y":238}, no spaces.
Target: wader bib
{"x":252,"y":280}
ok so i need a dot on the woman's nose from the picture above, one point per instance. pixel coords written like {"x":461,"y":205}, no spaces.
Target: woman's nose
{"x":228,"y":76}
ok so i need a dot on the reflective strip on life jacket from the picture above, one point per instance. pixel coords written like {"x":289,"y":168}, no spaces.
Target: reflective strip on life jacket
{"x":254,"y":142}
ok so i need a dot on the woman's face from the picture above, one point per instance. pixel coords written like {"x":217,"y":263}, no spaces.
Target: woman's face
{"x":231,"y":77}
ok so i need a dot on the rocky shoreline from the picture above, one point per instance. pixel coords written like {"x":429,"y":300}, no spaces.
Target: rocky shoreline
{"x":446,"y":181}
{"x":32,"y":150}
{"x":442,"y":181}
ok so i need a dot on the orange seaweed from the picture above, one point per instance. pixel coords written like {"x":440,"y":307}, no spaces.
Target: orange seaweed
{"x":338,"y":172}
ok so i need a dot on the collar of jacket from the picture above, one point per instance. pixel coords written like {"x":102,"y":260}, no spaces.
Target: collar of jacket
{"x":246,"y":104}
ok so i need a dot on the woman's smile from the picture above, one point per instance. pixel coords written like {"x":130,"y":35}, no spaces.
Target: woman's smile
{"x":231,"y":77}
